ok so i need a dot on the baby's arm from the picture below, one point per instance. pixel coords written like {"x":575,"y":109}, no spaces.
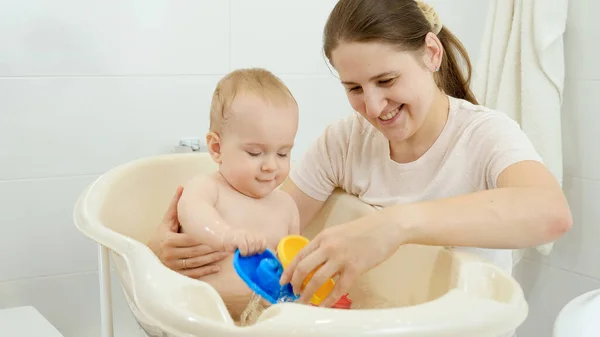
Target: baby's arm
{"x":199,"y":218}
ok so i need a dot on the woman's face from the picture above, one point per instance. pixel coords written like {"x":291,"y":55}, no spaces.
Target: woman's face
{"x":392,"y":89}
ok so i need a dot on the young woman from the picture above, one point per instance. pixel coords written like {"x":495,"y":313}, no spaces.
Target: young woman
{"x":445,"y":170}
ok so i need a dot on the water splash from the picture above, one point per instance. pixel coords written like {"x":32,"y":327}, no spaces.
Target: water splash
{"x":255,"y":308}
{"x":284,"y":296}
{"x":257,"y":305}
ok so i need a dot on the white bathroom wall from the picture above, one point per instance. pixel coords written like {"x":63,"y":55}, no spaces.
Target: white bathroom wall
{"x":85,"y":86}
{"x":572,"y":268}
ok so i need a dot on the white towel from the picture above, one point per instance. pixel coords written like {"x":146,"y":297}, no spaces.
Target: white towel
{"x":520,"y":71}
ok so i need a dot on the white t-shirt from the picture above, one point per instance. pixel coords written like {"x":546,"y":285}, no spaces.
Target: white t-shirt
{"x":475,"y":146}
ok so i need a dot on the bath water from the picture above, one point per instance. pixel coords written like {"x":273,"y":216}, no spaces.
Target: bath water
{"x":255,"y":308}
{"x":364,"y":298}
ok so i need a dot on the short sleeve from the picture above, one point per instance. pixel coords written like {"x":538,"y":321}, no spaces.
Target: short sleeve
{"x":499,"y":143}
{"x":320,"y":169}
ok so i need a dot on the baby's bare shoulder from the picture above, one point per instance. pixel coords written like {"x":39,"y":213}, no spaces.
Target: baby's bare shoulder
{"x":205,"y":180}
{"x":282,"y":199}
{"x":206,"y":185}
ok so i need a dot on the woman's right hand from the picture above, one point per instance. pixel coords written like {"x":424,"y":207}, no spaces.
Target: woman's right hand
{"x":180,"y":251}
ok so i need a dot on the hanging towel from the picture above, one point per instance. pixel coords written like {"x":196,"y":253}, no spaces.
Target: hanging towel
{"x":521,"y":72}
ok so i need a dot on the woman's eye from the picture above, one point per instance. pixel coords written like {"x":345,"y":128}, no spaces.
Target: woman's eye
{"x":354,"y":89}
{"x":283,"y":154}
{"x":253,"y":154}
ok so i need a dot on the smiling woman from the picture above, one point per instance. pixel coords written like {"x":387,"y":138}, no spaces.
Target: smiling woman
{"x":408,"y":58}
{"x":445,"y":170}
{"x":398,"y":97}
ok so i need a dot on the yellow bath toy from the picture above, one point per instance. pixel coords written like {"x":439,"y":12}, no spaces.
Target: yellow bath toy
{"x":287,"y":249}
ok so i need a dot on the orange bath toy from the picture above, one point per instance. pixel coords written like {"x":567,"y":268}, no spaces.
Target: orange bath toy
{"x":287,"y":249}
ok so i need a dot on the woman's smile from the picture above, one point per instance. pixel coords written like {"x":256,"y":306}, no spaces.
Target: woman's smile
{"x":389,"y":118}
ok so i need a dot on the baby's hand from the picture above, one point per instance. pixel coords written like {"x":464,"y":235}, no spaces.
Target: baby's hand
{"x":249,"y":243}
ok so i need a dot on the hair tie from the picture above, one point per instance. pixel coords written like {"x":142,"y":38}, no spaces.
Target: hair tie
{"x":431,"y":16}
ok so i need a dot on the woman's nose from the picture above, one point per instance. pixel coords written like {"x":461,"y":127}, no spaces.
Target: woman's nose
{"x":374,"y":104}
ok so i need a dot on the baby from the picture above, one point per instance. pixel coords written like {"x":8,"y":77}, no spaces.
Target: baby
{"x":253,"y":123}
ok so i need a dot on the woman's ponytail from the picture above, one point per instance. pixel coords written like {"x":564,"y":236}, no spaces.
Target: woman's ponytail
{"x":450,"y":77}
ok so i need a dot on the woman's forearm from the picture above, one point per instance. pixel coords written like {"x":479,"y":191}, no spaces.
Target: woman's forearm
{"x":514,"y":217}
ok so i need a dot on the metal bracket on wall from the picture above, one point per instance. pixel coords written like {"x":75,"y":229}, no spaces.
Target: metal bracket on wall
{"x":194,"y":144}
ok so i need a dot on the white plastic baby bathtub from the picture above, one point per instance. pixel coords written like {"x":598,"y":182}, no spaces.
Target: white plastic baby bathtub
{"x":420,"y":291}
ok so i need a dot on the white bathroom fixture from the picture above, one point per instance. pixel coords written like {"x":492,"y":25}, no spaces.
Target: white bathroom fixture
{"x":580,"y":317}
{"x":421,"y":291}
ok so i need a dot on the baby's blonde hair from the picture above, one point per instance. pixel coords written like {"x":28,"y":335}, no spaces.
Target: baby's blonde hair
{"x":256,"y":81}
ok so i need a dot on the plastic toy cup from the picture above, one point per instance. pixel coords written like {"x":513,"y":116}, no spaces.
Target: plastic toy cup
{"x":287,"y":249}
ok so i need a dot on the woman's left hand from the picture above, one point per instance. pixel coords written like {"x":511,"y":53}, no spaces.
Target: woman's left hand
{"x":347,"y":250}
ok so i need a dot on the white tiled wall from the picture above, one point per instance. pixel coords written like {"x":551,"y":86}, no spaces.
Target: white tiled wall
{"x":86,"y":86}
{"x":572,"y":268}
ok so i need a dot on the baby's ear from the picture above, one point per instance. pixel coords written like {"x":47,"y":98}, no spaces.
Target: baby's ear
{"x":213,"y":142}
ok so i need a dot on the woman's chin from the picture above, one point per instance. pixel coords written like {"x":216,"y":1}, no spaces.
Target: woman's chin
{"x":397,"y":134}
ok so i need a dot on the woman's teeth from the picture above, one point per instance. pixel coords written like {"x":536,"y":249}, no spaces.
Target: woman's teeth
{"x":391,"y":114}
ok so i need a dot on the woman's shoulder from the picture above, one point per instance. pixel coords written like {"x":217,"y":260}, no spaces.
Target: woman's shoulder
{"x":480,"y":118}
{"x":349,"y":131}
{"x":473,"y":110}
{"x":484,"y":130}
{"x":345,"y":124}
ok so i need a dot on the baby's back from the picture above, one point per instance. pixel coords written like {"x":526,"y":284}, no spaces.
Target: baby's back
{"x":271,"y":216}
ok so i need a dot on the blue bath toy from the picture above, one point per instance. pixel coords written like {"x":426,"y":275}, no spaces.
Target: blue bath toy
{"x":262,"y":272}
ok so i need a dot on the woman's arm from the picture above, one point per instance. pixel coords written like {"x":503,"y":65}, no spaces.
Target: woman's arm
{"x":527,"y":209}
{"x":307,"y":206}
